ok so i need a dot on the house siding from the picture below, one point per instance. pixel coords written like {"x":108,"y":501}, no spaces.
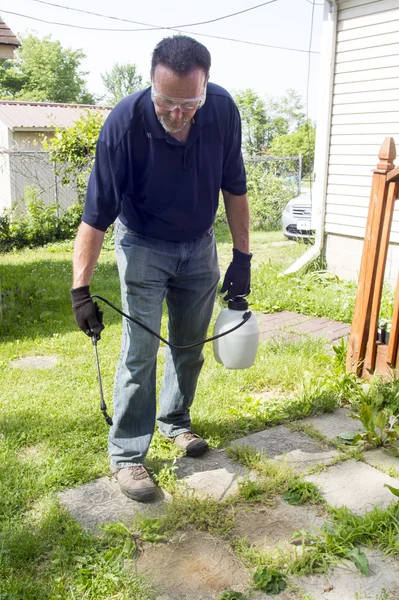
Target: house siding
{"x":365,"y":110}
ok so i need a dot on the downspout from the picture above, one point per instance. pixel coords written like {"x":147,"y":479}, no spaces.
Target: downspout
{"x":323,"y":132}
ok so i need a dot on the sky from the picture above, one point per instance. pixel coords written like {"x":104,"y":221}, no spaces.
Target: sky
{"x":235,"y":65}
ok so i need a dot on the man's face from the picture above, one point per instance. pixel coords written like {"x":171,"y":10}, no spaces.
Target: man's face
{"x":176,"y":99}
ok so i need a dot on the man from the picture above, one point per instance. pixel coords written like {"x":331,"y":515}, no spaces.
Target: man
{"x":162,"y":157}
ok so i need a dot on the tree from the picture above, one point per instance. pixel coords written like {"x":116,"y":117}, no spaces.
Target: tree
{"x":259,"y":125}
{"x":288,"y":109}
{"x":72,"y":150}
{"x":43,"y":70}
{"x":121,"y":81}
{"x":293,"y":144}
{"x":254,"y":120}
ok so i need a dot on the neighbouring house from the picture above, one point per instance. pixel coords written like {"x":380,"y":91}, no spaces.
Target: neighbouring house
{"x":8,"y":41}
{"x":23,"y":161}
{"x":359,"y":108}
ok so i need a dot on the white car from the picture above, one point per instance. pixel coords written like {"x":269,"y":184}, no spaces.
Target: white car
{"x":297,"y":218}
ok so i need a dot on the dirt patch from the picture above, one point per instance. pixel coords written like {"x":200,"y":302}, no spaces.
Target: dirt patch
{"x":194,"y":566}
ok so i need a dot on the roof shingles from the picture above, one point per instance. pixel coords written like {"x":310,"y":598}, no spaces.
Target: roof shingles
{"x":7,"y":36}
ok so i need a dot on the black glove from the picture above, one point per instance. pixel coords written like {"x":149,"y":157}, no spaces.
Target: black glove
{"x":87,"y":313}
{"x":237,"y":280}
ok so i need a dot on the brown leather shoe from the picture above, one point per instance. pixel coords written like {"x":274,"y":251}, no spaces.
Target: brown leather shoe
{"x":192,"y":443}
{"x":135,"y":482}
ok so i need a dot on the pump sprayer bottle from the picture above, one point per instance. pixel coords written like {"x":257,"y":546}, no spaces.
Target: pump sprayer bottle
{"x":237,"y":350}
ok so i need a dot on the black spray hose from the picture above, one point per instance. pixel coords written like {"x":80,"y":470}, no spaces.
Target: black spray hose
{"x":246,"y":316}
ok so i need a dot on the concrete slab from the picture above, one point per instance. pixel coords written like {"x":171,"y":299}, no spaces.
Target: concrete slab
{"x":379,"y":459}
{"x":101,"y":501}
{"x":192,"y":566}
{"x":345,"y":582}
{"x":214,"y":474}
{"x":335,"y":423}
{"x":293,"y":446}
{"x":266,"y":527}
{"x":355,"y":485}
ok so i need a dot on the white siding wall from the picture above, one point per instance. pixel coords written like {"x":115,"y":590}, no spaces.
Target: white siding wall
{"x":365,"y":111}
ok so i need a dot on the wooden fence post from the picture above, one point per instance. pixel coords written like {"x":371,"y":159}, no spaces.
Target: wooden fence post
{"x":365,"y":319}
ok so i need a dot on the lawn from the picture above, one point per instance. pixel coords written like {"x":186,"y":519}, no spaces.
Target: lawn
{"x":52,"y":433}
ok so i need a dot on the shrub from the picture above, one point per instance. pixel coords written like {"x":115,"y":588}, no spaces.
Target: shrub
{"x":42,"y":223}
{"x":268,"y":194}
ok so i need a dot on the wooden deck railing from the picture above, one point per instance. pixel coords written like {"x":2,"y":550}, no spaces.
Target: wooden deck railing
{"x":365,"y":354}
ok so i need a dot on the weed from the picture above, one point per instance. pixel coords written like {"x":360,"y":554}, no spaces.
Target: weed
{"x":381,"y":426}
{"x":230,"y":595}
{"x":269,"y":581}
{"x":251,"y":491}
{"x":302,"y":492}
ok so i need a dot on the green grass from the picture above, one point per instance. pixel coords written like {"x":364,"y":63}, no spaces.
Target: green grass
{"x":53,"y":436}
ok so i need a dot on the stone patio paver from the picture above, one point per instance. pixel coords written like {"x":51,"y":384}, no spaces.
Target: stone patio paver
{"x":347,"y":581}
{"x":283,"y":443}
{"x":195,"y":566}
{"x":268,"y":526}
{"x":213,"y":474}
{"x":101,"y":501}
{"x":333,"y":424}
{"x":356,"y":485}
{"x":379,"y":459}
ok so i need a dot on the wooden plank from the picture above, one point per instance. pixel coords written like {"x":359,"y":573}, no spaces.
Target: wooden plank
{"x":351,"y":140}
{"x":364,"y":97}
{"x":365,"y":118}
{"x":351,"y":160}
{"x":344,"y":230}
{"x":393,"y":175}
{"x":339,"y":219}
{"x":349,"y":168}
{"x":374,"y":41}
{"x":356,"y":108}
{"x":363,"y":318}
{"x":387,"y":213}
{"x":384,"y":72}
{"x":367,"y":20}
{"x":386,"y":26}
{"x":340,"y":200}
{"x":353,"y":180}
{"x":353,"y":10}
{"x":346,"y":211}
{"x":381,"y":365}
{"x":370,"y":85}
{"x":366,"y":53}
{"x":349,"y":190}
{"x":340,"y":150}
{"x":364,"y":129}
{"x":392,"y":356}
{"x":368,"y":65}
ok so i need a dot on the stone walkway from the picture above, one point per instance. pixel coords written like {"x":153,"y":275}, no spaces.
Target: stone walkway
{"x":199,"y":566}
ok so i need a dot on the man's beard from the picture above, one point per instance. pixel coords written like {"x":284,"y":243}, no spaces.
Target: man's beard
{"x":173,"y":126}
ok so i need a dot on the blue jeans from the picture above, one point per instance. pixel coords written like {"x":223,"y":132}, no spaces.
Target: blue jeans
{"x":150,"y":270}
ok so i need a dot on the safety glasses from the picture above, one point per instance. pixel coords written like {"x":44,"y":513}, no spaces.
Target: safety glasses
{"x":169,"y":104}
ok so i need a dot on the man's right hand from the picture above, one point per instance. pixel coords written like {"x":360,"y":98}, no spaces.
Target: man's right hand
{"x":87,"y":313}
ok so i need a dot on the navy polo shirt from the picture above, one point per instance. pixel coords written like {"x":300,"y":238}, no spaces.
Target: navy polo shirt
{"x":157,"y":186}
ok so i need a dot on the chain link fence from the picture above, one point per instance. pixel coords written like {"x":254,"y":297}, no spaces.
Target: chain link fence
{"x":272,"y":181}
{"x":288,"y":168}
{"x":20,"y":170}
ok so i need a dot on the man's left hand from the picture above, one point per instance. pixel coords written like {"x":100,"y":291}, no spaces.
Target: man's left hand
{"x":237,"y":281}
